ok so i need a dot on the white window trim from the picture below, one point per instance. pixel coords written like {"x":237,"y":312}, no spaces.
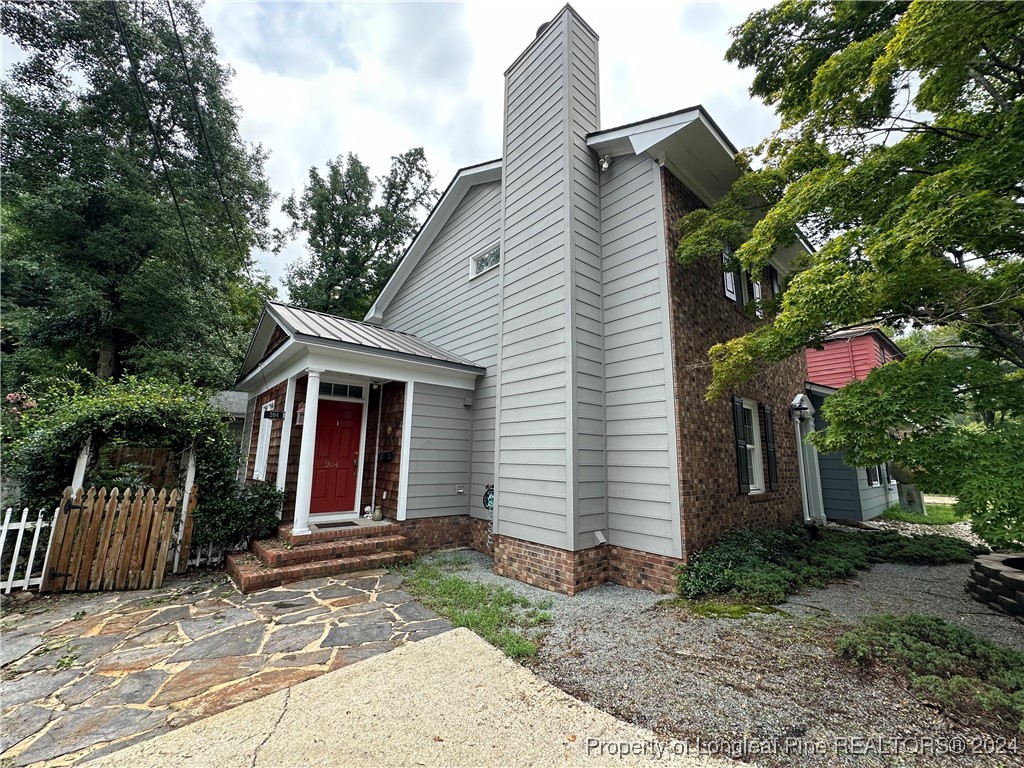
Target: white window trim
{"x":728,"y":276}
{"x":755,"y":456}
{"x":473,"y":274}
{"x":259,"y":470}
{"x":756,"y":285}
{"x":877,"y":482}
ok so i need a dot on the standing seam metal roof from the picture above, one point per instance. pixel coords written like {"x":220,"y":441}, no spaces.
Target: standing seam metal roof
{"x":306,"y":322}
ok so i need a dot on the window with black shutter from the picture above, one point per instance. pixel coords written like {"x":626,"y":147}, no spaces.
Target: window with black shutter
{"x":769,"y":442}
{"x":742,"y":459}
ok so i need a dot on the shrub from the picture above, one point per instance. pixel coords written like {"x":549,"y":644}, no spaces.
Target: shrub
{"x":252,"y":514}
{"x":42,"y":454}
{"x":944,"y":662}
{"x":764,"y":566}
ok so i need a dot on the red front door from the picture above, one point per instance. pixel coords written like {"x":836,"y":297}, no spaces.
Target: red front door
{"x":336,"y":458}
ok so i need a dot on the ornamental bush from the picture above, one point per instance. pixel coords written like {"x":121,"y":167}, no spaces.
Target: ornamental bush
{"x":45,"y":442}
{"x":764,"y":566}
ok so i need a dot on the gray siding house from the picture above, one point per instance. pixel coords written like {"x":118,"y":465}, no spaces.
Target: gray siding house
{"x":530,"y":381}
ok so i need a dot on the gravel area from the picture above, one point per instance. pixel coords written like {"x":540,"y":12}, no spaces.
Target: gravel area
{"x":767,"y":689}
{"x":956,"y":530}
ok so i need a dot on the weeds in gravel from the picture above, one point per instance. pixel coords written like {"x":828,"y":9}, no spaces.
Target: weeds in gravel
{"x":713,"y":610}
{"x":944,"y":662}
{"x":495,"y":613}
{"x":764,"y":566}
{"x":937,"y":514}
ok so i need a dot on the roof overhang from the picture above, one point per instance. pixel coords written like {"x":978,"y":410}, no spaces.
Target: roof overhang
{"x":465,"y":179}
{"x":688,"y":141}
{"x":333,"y":354}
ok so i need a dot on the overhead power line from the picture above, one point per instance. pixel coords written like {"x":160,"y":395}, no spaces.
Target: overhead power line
{"x":204,"y":134}
{"x":152,"y":128}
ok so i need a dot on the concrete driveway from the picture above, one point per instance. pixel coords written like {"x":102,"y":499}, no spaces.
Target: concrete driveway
{"x":452,"y":700}
{"x":85,"y":674}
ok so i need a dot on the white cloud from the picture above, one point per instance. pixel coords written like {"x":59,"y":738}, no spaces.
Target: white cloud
{"x":317,"y":79}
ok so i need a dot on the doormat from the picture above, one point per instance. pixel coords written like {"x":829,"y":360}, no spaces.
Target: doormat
{"x":329,"y":526}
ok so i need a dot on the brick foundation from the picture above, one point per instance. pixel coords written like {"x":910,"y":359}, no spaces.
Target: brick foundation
{"x":642,"y":570}
{"x":479,"y":530}
{"x":568,"y":572}
{"x":426,"y":534}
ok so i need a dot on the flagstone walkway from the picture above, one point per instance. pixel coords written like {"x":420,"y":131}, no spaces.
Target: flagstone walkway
{"x":86,"y":674}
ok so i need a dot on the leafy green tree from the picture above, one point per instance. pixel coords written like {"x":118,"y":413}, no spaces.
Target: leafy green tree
{"x":126,"y":253}
{"x":901,"y":157}
{"x":355,"y":230}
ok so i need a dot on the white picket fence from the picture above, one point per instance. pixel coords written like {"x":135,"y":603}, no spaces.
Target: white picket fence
{"x":25,"y":570}
{"x":25,"y":579}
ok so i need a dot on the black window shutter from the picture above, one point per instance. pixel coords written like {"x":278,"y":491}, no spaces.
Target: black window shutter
{"x":741,"y":288}
{"x":769,"y":439}
{"x":741,"y":445}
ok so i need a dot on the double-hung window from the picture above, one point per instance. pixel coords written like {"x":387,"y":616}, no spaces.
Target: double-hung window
{"x":874,"y":476}
{"x":748,"y":419}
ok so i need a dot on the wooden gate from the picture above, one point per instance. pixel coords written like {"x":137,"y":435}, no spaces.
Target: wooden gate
{"x":115,"y":540}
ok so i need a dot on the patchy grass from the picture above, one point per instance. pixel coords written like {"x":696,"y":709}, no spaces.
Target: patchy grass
{"x":938,"y":514}
{"x":762,"y":567}
{"x":497,"y":614}
{"x":945,"y":663}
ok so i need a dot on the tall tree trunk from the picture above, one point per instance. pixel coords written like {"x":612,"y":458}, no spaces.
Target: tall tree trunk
{"x":106,"y":363}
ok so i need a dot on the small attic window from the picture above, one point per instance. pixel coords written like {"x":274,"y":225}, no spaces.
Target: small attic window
{"x":486,"y":260}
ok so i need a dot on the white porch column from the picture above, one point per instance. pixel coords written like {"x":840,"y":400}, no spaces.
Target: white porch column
{"x":286,"y":433}
{"x":304,"y":490}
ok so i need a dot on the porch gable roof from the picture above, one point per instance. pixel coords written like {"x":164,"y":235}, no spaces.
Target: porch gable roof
{"x":309,"y":326}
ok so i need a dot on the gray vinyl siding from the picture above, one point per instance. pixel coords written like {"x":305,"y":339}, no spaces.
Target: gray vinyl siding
{"x":587,"y":304}
{"x":438,"y":452}
{"x":840,"y":491}
{"x":439,"y":303}
{"x":638,"y":388}
{"x":872,"y":497}
{"x":550,"y":487}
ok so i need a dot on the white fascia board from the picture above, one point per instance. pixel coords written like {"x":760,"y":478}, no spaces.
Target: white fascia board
{"x":464,"y":180}
{"x":275,"y":368}
{"x":634,"y":139}
{"x":820,"y":389}
{"x":262,"y":332}
{"x":719,"y":137}
{"x":380,"y":368}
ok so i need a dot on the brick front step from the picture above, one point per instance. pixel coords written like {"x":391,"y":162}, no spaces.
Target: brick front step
{"x":361,"y":530}
{"x":274,"y":552}
{"x":250,"y":575}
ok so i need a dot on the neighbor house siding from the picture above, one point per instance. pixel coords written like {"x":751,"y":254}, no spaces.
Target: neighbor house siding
{"x":439,"y":303}
{"x":873,"y":498}
{"x":438,"y":452}
{"x":840,"y":491}
{"x":641,"y":513}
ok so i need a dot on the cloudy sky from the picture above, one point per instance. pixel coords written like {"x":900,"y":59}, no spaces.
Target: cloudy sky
{"x":317,"y":79}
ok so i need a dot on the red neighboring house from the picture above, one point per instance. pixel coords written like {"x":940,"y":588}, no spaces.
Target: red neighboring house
{"x":850,"y":356}
{"x":849,"y":493}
